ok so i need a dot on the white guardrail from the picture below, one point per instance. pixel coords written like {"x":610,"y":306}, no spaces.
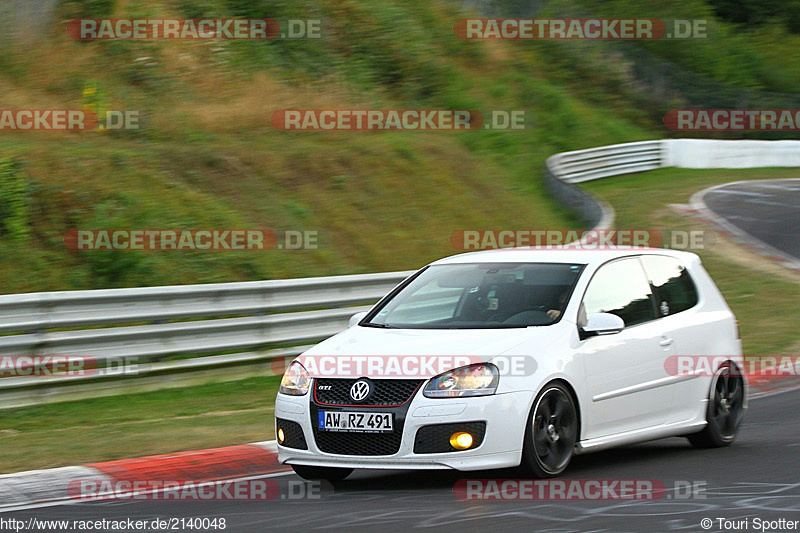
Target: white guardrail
{"x":186,"y":330}
{"x":606,"y":161}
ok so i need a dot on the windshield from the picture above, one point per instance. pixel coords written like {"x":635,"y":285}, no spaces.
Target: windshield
{"x":470,"y":296}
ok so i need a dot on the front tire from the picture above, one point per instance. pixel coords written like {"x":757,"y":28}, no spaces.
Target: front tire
{"x":321,"y":473}
{"x":551,"y":433}
{"x":725,"y":409}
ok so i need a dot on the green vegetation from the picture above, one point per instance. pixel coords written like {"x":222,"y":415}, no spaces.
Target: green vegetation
{"x":210,"y":158}
{"x":750,"y":44}
{"x":13,"y":201}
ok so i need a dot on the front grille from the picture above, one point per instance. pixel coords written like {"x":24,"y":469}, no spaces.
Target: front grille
{"x":388,"y":392}
{"x":342,"y":443}
{"x":292,"y":433}
{"x":436,"y":438}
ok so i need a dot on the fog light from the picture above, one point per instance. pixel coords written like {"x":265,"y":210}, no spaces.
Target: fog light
{"x":461,"y":440}
{"x":281,"y":436}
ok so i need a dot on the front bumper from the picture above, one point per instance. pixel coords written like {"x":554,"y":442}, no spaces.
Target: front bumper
{"x":505,"y":416}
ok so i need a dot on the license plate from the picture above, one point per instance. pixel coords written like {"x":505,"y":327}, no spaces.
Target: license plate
{"x":356,"y":422}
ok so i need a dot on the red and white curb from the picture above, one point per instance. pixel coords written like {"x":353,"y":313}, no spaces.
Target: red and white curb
{"x":38,"y":486}
{"x":217,"y":464}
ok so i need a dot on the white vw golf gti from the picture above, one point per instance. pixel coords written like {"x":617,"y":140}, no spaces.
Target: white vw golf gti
{"x":520,"y":357}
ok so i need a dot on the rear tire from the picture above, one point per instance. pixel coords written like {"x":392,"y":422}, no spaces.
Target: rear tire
{"x":551,"y":433}
{"x":725,"y":409}
{"x":321,"y":473}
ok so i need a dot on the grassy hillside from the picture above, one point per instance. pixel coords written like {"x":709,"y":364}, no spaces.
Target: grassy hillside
{"x":211,"y":159}
{"x":380,"y":200}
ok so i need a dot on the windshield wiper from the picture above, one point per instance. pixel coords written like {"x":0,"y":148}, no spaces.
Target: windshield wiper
{"x":373,"y":325}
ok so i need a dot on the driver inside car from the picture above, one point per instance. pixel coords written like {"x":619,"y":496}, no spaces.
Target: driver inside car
{"x":555,"y":313}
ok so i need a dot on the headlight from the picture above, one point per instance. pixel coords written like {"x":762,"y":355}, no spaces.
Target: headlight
{"x":474,"y":380}
{"x":296,"y":380}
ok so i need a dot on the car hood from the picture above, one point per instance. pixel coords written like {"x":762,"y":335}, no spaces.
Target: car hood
{"x":457,"y":346}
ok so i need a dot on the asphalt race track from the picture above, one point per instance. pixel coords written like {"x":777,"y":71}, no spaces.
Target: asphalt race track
{"x":768,"y":210}
{"x":758,"y":477}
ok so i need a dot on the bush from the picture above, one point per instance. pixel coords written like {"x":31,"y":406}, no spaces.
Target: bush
{"x":94,"y":9}
{"x":13,"y":201}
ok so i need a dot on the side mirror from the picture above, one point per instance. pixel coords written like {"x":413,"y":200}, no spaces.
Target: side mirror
{"x":602,"y":324}
{"x":356,"y":318}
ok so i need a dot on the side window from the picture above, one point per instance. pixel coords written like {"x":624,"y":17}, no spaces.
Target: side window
{"x":620,"y":288}
{"x":674,"y":289}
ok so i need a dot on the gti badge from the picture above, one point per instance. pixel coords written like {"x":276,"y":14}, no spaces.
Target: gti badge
{"x":360,"y":390}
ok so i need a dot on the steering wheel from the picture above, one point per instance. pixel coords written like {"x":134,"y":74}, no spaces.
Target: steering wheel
{"x":531,"y":317}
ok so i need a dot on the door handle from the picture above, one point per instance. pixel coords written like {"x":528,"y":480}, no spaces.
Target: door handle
{"x":665,"y":341}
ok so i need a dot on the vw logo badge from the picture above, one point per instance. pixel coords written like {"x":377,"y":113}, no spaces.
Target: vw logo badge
{"x":360,"y":390}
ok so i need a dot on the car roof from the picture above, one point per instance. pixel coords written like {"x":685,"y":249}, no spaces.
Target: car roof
{"x":563,"y":254}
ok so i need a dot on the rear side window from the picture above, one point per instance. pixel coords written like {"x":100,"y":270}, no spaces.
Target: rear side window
{"x":621,"y":288}
{"x":674,"y":289}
